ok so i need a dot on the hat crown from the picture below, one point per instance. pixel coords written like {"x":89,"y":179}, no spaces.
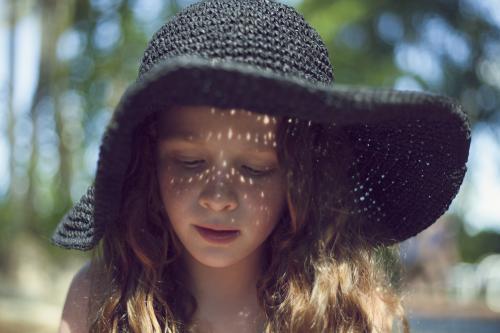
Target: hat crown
{"x":262,"y":33}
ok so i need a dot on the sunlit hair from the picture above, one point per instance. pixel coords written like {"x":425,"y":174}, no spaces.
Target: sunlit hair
{"x":321,"y":274}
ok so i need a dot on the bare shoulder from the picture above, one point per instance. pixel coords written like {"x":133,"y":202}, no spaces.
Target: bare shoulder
{"x":76,"y":306}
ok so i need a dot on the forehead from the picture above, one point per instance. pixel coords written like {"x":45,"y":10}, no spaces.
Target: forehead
{"x":194,"y":116}
{"x":204,"y":122}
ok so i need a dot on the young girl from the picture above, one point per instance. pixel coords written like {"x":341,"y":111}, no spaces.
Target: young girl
{"x":237,"y":190}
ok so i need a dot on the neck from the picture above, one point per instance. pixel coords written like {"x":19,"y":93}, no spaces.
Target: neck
{"x":226,"y":293}
{"x":224,"y":285}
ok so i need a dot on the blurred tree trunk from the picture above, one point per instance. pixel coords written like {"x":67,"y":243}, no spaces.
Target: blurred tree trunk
{"x":59,"y":79}
{"x":11,"y":219}
{"x":42,"y":88}
{"x":11,"y":122}
{"x":51,"y":83}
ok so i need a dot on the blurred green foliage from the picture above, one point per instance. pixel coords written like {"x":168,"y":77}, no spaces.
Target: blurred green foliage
{"x":473,"y":248}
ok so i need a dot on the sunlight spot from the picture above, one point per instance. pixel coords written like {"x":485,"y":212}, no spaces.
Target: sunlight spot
{"x":248,"y":136}
{"x":242,"y":179}
{"x":245,"y":196}
{"x":218,"y":172}
{"x":229,"y":133}
{"x":224,"y":163}
{"x":190,"y":179}
{"x":212,"y":110}
{"x":232,"y":112}
{"x":266,"y":120}
{"x":244,"y":314}
{"x":227,"y":175}
{"x":250,"y":181}
{"x":262,"y":194}
{"x":256,"y":139}
{"x":232,"y":171}
{"x":219,"y":135}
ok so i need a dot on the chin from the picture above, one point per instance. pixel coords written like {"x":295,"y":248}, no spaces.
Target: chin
{"x":216,"y":261}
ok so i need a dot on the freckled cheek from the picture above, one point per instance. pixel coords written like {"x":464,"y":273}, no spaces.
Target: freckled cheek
{"x":265,"y":203}
{"x":176,"y":187}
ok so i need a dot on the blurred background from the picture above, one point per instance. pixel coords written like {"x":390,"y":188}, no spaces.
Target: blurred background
{"x":65,"y":64}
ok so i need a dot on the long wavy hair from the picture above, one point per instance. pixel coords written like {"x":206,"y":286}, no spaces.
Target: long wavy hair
{"x":321,"y":274}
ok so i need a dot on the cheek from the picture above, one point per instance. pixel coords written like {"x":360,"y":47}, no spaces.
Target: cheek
{"x":265,"y":203}
{"x":171,"y":179}
{"x":176,"y":192}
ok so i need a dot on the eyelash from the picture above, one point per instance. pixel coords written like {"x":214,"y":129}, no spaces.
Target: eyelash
{"x":254,"y":172}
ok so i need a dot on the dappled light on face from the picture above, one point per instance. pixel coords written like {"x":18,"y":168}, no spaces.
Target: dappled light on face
{"x":218,"y":170}
{"x":222,"y":161}
{"x":237,"y":145}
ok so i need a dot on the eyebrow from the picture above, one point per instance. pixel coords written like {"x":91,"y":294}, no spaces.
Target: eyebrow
{"x":188,"y":137}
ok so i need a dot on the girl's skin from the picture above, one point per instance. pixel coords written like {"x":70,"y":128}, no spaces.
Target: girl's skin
{"x":221,"y":188}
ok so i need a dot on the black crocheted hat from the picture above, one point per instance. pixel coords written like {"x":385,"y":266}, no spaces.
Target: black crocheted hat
{"x":409,"y":148}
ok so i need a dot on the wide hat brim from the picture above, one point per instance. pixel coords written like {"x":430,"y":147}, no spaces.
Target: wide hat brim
{"x":410,"y":148}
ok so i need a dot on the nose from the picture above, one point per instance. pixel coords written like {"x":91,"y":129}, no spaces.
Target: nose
{"x":218,"y":197}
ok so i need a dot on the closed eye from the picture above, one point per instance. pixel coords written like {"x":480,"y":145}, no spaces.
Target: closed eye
{"x":193,"y":164}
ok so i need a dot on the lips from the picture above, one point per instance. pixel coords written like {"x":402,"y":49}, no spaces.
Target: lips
{"x":216,"y":228}
{"x":220,"y":235}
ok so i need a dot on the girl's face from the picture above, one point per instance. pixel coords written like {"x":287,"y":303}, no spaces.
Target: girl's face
{"x":219,"y":169}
